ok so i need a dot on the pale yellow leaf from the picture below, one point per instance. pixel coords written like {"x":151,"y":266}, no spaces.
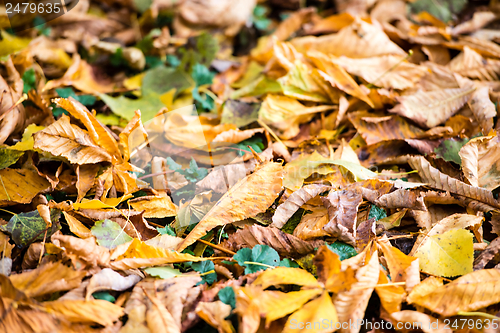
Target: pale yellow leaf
{"x":319,"y":311}
{"x":286,"y":275}
{"x":448,"y":254}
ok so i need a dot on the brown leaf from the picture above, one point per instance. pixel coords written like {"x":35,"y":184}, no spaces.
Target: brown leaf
{"x":427,"y":323}
{"x":480,"y":157}
{"x":86,"y":176}
{"x":434,"y":178}
{"x":401,"y":199}
{"x":389,"y":71}
{"x":47,"y":279}
{"x":285,"y":244}
{"x":84,"y":250}
{"x":342,"y":210}
{"x":311,"y":225}
{"x":431,"y":108}
{"x":330,"y":272}
{"x":294,"y":202}
{"x":359,"y":40}
{"x":470,"y":292}
{"x":250,"y":196}
{"x":64,"y":139}
{"x":169,"y":295}
{"x":489,"y":256}
{"x":471,"y":64}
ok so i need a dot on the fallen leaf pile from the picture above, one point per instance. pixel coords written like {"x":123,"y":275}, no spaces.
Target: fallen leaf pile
{"x":251,"y":166}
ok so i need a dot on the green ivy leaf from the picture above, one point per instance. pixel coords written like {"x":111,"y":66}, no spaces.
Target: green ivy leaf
{"x":104,"y":295}
{"x":109,"y":234}
{"x":30,"y":227}
{"x":202,"y":75}
{"x":226,"y":295}
{"x":377,"y":213}
{"x":442,"y":9}
{"x":260,"y":257}
{"x":254,"y":142}
{"x":343,"y":250}
{"x":192,"y":174}
{"x":288,"y":263}
{"x":68,"y":92}
{"x":166,"y":231}
{"x":205,"y":267}
{"x":29,"y":80}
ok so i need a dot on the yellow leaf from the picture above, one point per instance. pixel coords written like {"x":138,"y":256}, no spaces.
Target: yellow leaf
{"x":248,"y":197}
{"x":448,"y":254}
{"x":27,"y":142}
{"x":97,"y":311}
{"x":11,"y":43}
{"x":154,"y":206}
{"x":98,"y":204}
{"x":286,"y":275}
{"x":319,"y":311}
{"x":20,"y":185}
{"x":77,"y":227}
{"x":140,"y":254}
{"x":470,"y":292}
{"x":276,"y":304}
{"x":397,"y":261}
{"x":286,"y":114}
{"x":65,"y":139}
{"x":391,"y":297}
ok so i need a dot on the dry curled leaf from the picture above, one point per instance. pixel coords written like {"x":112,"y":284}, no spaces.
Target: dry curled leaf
{"x":285,"y":244}
{"x":293,"y":203}
{"x":435,"y":178}
{"x":342,"y":210}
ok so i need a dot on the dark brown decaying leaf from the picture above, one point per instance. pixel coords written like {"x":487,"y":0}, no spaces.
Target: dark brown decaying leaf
{"x":285,"y":244}
{"x":342,"y":211}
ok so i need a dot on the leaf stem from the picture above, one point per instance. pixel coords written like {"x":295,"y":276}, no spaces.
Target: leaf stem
{"x":478,"y":314}
{"x":218,"y":247}
{"x":258,"y":264}
{"x":371,"y":85}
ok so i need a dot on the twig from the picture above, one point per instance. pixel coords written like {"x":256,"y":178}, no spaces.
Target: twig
{"x":218,"y":247}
